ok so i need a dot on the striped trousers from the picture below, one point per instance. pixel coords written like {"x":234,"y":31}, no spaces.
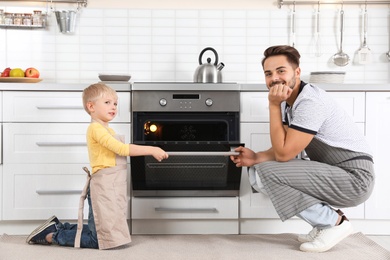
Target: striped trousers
{"x":296,"y":185}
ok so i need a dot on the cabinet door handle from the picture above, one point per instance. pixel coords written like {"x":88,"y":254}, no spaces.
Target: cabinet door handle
{"x":61,"y":143}
{"x":202,"y":153}
{"x":59,"y":107}
{"x":58,"y":192}
{"x":186,"y":210}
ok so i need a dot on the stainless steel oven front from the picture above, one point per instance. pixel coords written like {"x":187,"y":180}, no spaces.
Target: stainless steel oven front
{"x":198,"y":128}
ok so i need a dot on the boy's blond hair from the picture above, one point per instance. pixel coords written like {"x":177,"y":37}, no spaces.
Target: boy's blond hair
{"x":96,"y":91}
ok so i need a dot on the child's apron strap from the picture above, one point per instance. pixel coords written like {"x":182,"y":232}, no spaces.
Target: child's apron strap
{"x":81,"y":210}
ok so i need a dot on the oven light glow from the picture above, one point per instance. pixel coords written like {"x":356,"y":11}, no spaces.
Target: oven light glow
{"x":153,"y":128}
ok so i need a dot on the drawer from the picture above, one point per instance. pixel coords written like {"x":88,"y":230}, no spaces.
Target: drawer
{"x":55,"y":107}
{"x":185,"y":208}
{"x":254,"y":107}
{"x":32,"y":143}
{"x":40,"y":191}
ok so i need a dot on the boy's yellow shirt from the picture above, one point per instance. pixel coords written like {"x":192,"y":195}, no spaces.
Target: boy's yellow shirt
{"x":103,"y":147}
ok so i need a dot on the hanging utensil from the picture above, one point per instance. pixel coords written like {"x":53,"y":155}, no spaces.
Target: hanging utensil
{"x":292,"y":27}
{"x":341,"y":58}
{"x":364,"y":53}
{"x":388,"y":53}
{"x":317,"y":39}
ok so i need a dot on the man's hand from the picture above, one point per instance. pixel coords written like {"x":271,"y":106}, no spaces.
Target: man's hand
{"x":246,"y":157}
{"x":278,"y":93}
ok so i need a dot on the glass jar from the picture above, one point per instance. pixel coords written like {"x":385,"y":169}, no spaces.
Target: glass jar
{"x":27,"y":19}
{"x":8,"y":19}
{"x":18,"y":19}
{"x":2,"y":16}
{"x":37,"y":18}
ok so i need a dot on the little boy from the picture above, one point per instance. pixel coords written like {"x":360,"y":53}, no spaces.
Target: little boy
{"x":106,"y":187}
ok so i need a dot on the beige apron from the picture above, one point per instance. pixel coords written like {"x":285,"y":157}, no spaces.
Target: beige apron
{"x":108,"y":189}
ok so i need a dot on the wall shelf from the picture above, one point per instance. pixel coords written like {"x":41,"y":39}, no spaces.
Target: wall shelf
{"x":82,"y":3}
{"x":281,"y":3}
{"x":22,"y":26}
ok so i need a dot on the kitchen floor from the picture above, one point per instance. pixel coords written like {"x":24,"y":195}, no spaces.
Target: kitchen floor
{"x":383,"y":241}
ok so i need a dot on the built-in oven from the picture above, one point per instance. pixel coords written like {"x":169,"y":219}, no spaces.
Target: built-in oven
{"x":198,"y":127}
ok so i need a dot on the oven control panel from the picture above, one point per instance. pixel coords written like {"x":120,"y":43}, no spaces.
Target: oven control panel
{"x":185,"y":101}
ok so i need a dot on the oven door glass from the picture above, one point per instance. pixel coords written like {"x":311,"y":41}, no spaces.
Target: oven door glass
{"x":191,"y":126}
{"x":192,"y":169}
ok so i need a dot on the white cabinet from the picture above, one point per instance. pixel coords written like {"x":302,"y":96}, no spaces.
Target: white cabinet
{"x":254,"y":132}
{"x":377,"y":132}
{"x":1,"y":153}
{"x":55,"y":107}
{"x":353,"y":103}
{"x":185,"y":215}
{"x":254,"y":204}
{"x":44,"y":150}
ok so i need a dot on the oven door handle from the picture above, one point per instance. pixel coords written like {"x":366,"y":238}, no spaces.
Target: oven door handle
{"x":187,"y":210}
{"x":203,"y":153}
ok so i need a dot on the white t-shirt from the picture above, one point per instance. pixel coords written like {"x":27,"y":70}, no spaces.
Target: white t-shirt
{"x":314,"y":111}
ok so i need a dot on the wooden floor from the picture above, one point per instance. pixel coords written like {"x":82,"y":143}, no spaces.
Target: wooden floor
{"x":384,"y":241}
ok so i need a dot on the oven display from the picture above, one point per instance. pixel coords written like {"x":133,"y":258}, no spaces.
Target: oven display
{"x":185,"y":96}
{"x":178,"y":131}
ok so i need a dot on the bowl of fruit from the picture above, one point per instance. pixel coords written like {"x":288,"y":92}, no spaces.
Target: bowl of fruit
{"x":29,"y":75}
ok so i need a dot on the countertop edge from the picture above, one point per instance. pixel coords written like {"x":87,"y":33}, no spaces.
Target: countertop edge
{"x":127,"y":87}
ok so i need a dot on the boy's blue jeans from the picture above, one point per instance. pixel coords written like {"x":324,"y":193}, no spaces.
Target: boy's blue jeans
{"x":66,"y":233}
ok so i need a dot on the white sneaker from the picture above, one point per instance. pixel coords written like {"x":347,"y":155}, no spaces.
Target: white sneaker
{"x":308,"y":237}
{"x":328,"y":238}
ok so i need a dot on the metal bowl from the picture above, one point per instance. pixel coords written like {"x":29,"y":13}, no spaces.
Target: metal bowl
{"x":114,"y":77}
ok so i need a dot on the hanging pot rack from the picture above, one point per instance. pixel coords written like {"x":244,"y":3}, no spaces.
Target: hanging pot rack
{"x":81,"y":3}
{"x":281,"y":3}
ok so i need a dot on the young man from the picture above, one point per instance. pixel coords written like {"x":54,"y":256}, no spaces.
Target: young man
{"x":340,"y":170}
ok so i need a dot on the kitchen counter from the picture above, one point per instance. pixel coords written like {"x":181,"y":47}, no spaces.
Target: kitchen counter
{"x":327,"y":87}
{"x":127,"y":86}
{"x":42,"y":86}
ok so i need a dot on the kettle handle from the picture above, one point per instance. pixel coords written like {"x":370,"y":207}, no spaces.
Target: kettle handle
{"x":208,"y":49}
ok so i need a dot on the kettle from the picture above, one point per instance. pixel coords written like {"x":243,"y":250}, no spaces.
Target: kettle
{"x":208,"y":72}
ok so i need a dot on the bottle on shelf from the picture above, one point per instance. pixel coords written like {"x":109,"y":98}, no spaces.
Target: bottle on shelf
{"x":37,"y":18}
{"x":2,"y":17}
{"x":27,"y":19}
{"x":8,"y":19}
{"x":18,"y":19}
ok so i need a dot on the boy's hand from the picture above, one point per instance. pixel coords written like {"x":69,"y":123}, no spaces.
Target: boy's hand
{"x":159,"y":154}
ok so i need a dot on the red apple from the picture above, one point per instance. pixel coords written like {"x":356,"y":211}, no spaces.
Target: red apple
{"x":5,"y":73}
{"x":31,"y":73}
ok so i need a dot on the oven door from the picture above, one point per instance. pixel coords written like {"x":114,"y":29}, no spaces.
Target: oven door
{"x":192,"y":169}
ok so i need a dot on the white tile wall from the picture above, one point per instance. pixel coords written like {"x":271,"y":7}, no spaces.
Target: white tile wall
{"x":164,"y":45}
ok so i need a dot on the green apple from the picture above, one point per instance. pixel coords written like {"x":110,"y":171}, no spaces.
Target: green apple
{"x":18,"y":72}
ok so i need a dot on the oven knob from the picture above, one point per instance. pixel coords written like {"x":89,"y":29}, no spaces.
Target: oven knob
{"x":163,"y":102}
{"x":209,"y":102}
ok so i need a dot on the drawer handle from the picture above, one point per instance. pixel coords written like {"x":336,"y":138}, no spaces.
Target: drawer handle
{"x":202,"y":153}
{"x":58,"y":192}
{"x":61,"y":143}
{"x":187,"y":210}
{"x":60,"y":107}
